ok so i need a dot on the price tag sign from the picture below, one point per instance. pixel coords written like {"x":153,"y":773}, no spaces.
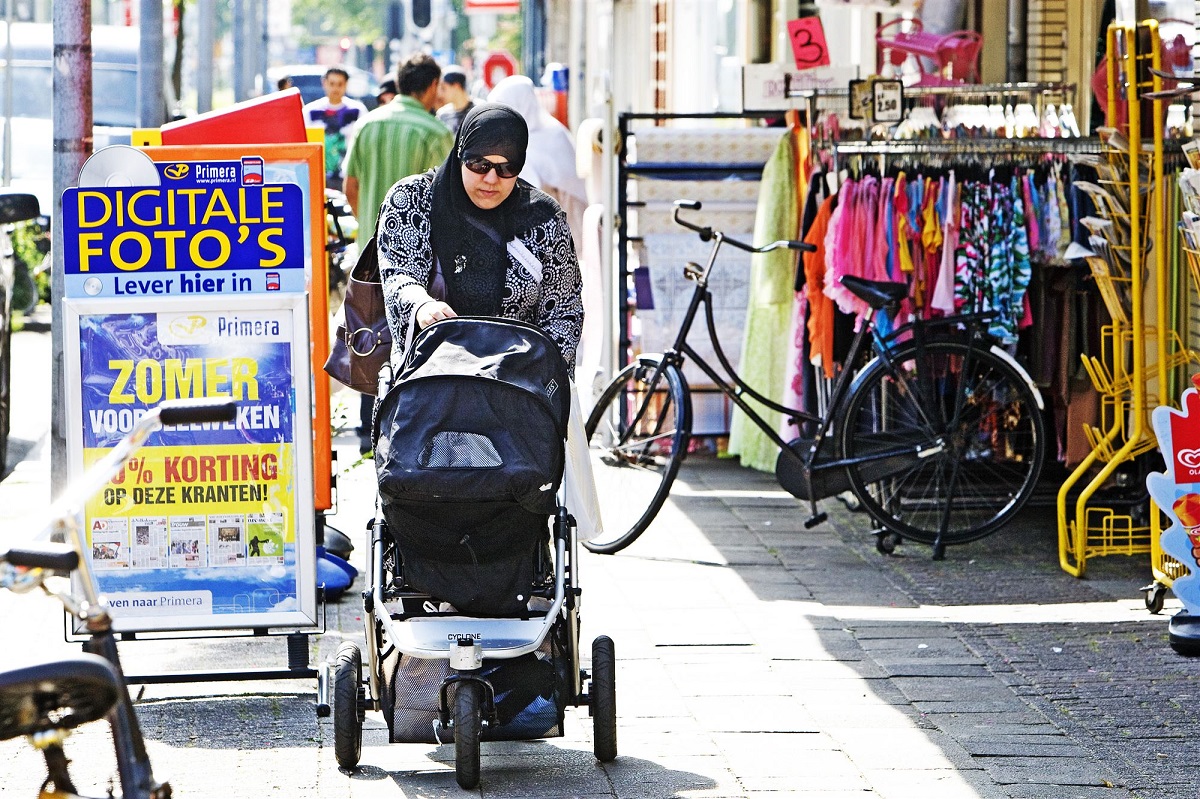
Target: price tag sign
{"x":862,"y":100}
{"x":807,"y":36}
{"x":888,"y":97}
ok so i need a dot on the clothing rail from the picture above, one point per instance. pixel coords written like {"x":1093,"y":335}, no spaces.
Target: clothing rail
{"x":990,"y":89}
{"x":956,"y":147}
{"x":973,"y":90}
{"x":998,"y":146}
{"x":1037,"y":95}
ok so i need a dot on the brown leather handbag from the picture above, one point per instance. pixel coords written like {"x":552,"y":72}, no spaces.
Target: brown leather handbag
{"x":364,"y":341}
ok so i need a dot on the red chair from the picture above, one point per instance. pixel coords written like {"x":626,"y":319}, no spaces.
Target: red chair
{"x":958,"y":50}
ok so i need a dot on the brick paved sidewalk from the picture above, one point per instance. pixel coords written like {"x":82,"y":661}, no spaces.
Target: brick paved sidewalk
{"x":1106,"y":701}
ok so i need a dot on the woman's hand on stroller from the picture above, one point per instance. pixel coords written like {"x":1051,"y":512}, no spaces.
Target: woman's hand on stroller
{"x":433,"y":311}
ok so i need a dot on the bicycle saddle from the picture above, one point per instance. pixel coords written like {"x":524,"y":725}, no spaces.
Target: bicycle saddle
{"x":876,"y":293}
{"x":56,"y":695}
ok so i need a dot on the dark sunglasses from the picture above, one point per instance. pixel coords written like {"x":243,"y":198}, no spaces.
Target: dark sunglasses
{"x":481,"y":166}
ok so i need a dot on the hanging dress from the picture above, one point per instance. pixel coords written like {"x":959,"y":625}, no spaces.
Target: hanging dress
{"x":763,"y":363}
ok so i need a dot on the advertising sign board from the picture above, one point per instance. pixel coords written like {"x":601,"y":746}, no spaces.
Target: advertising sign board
{"x":196,"y":286}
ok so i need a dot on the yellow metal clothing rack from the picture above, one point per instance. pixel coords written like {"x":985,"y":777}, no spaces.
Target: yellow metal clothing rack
{"x":1130,"y":203}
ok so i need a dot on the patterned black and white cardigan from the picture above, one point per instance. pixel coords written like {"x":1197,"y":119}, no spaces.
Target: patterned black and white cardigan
{"x":555,"y":305}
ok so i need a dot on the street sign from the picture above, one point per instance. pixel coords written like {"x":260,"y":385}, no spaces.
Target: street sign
{"x":497,"y":66}
{"x":492,"y":7}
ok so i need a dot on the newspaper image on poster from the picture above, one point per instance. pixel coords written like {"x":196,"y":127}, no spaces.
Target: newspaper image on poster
{"x":203,"y":520}
{"x":149,"y":547}
{"x":110,"y":543}
{"x":189,"y":542}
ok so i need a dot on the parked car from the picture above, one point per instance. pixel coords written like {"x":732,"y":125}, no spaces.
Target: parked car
{"x":362,"y":86}
{"x":15,"y":206}
{"x":114,"y":92}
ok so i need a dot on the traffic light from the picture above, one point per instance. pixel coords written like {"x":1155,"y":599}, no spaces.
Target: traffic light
{"x":422,"y":13}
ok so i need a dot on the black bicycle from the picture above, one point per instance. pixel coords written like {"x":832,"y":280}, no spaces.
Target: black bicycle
{"x":939,"y":435}
{"x":45,"y":701}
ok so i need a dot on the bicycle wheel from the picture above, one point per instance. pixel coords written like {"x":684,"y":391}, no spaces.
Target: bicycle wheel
{"x":638,"y":433}
{"x":967,"y":437}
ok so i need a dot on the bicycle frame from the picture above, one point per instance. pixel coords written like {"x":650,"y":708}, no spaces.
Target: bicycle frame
{"x":732,"y":385}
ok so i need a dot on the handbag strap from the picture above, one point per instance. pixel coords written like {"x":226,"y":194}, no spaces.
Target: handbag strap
{"x":526,"y":258}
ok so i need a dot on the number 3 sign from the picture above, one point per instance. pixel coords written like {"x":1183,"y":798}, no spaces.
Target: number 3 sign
{"x":808,"y":42}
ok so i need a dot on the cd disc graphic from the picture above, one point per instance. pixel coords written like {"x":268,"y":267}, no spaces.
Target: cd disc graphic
{"x":119,"y":165}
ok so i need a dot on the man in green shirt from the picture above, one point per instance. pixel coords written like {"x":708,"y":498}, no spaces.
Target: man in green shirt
{"x":396,"y":140}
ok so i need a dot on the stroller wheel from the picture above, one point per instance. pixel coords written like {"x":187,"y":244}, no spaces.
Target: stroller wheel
{"x":468,"y":723}
{"x":347,"y":705}
{"x":602,"y":699}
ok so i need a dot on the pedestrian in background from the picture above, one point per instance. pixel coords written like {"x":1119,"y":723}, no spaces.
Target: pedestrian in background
{"x":338,"y":115}
{"x":550,"y":163}
{"x":397,"y":139}
{"x":386,"y":93}
{"x":454,"y":94}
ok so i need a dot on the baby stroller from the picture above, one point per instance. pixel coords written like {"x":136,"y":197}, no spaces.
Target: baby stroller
{"x":472,"y":607}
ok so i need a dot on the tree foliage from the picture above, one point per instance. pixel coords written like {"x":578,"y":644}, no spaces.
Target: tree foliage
{"x":320,"y":20}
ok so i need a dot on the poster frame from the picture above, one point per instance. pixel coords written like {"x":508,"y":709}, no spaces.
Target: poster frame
{"x":305,"y":616}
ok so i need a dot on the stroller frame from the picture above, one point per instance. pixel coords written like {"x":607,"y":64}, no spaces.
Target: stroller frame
{"x":413,"y":623}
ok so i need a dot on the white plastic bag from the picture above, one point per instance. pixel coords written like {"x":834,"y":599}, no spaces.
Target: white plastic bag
{"x":579,"y":485}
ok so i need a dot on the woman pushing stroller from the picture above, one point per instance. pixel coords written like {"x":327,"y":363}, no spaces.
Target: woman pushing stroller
{"x":474,"y":600}
{"x":473,"y":239}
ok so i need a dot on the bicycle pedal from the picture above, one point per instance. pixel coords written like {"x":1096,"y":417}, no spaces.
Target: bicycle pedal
{"x":813,"y":521}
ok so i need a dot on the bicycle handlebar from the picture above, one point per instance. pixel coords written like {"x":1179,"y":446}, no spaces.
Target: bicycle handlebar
{"x":708,"y":234}
{"x":43,"y":555}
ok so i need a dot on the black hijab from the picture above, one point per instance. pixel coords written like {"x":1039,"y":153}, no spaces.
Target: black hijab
{"x":470,"y":242}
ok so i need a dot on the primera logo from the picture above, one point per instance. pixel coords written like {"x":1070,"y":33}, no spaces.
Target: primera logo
{"x":177,"y":171}
{"x":188,"y":326}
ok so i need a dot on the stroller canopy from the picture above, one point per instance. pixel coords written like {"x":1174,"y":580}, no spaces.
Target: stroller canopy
{"x":478,"y":413}
{"x":505,"y":350}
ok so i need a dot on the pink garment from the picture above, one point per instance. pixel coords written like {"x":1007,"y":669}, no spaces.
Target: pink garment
{"x":943,"y":289}
{"x":846,"y":247}
{"x":793,"y":382}
{"x":863,"y":231}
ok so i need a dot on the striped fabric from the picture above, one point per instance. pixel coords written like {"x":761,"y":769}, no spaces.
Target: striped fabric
{"x":394,"y":141}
